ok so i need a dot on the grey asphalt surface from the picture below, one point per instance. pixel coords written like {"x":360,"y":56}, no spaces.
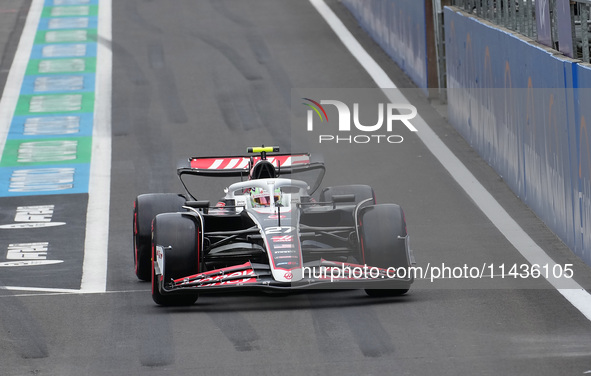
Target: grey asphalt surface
{"x":13,"y":14}
{"x":212,"y":77}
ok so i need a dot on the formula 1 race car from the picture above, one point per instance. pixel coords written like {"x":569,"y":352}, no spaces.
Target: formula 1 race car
{"x":268,"y":233}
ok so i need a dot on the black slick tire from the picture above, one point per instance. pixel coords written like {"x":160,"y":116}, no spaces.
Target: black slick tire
{"x":178,"y":236}
{"x":145,"y":208}
{"x":383,"y":232}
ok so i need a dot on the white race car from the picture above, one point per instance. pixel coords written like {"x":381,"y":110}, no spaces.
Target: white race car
{"x":268,"y":233}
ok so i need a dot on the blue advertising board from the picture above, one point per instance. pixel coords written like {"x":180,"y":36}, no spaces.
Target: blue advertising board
{"x":525,"y":109}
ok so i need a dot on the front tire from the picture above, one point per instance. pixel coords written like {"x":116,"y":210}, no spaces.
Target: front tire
{"x":179,"y":235}
{"x":145,"y":208}
{"x":383,"y":241}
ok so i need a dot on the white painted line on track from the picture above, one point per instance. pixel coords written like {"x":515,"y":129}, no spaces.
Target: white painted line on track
{"x":40,"y":291}
{"x":524,"y":244}
{"x":14,"y":81}
{"x":94,"y":267}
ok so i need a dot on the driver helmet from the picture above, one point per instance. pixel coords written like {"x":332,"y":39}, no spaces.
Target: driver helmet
{"x":261,"y":198}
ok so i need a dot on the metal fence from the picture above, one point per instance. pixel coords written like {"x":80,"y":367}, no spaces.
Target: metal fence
{"x":582,"y":29}
{"x":520,"y":16}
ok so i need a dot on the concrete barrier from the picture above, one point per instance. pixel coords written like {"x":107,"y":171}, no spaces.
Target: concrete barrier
{"x":399,"y":27}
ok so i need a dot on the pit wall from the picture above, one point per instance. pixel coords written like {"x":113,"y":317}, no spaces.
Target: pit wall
{"x":399,"y":27}
{"x":526,"y":110}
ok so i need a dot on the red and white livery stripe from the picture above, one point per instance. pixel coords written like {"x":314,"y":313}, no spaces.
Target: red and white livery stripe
{"x":230,"y":163}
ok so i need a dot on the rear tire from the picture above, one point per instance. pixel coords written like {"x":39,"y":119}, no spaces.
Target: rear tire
{"x":180,"y":236}
{"x":382,"y":227}
{"x":145,"y":208}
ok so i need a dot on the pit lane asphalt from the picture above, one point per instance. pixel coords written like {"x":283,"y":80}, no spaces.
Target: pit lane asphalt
{"x":177,"y":69}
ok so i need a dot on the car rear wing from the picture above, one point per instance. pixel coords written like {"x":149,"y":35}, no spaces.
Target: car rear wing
{"x":240,"y":166}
